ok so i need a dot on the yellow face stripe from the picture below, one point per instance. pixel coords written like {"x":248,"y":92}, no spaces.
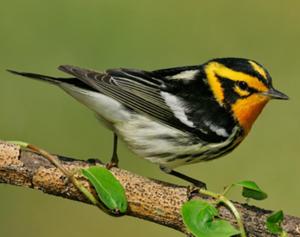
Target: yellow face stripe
{"x":213,"y":69}
{"x":258,"y":69}
{"x":215,"y":84}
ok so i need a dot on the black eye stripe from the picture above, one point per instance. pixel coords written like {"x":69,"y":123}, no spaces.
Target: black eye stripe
{"x":229,"y":92}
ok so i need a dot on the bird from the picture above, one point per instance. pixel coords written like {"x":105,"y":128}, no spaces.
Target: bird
{"x":174,"y":116}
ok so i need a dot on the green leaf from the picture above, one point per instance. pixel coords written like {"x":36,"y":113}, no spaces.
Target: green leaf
{"x":108,"y":188}
{"x":251,"y":190}
{"x":195,"y":212}
{"x":198,"y":217}
{"x":220,"y":228}
{"x":274,"y":222}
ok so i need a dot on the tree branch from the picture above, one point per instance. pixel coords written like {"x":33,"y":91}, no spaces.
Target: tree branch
{"x":149,"y":199}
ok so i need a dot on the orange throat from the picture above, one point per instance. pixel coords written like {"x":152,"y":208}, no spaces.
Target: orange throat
{"x":247,"y":110}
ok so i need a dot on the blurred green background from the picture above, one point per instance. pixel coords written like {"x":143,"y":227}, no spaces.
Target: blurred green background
{"x":40,"y":35}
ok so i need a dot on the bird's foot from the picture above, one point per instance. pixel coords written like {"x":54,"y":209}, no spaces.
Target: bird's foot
{"x":199,"y":184}
{"x":114,"y":162}
{"x":193,"y":190}
{"x":111,"y":165}
{"x":95,"y":161}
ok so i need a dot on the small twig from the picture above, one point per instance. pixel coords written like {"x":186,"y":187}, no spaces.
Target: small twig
{"x":70,"y":176}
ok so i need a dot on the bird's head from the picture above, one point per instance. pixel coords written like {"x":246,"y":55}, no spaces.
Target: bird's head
{"x":242,"y":86}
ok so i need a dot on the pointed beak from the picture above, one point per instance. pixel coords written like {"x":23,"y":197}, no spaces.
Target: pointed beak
{"x":275,"y":94}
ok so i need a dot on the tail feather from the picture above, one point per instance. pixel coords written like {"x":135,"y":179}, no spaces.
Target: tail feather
{"x":54,"y":80}
{"x":50,"y":79}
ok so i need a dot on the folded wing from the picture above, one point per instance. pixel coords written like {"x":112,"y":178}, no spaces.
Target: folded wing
{"x":139,"y":91}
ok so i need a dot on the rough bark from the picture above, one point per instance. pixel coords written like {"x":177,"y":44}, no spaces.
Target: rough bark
{"x":148,"y":199}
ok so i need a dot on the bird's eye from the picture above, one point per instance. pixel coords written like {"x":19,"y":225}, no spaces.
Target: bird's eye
{"x":242,"y":85}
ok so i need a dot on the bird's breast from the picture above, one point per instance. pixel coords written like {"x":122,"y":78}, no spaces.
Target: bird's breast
{"x":168,"y":146}
{"x":247,"y":110}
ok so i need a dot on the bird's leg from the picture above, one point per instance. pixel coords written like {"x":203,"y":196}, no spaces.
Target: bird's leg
{"x":195,"y":182}
{"x":114,"y":159}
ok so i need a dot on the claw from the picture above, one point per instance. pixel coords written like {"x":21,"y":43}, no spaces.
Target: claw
{"x":193,"y":191}
{"x":111,"y":165}
{"x":95,"y":161}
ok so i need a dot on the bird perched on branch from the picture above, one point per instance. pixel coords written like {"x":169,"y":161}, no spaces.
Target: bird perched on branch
{"x":174,"y":116}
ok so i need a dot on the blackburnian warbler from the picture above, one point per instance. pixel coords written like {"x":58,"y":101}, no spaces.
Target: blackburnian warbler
{"x":174,"y":116}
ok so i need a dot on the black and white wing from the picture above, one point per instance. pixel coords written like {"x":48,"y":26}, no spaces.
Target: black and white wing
{"x":164,"y":95}
{"x":138,"y":90}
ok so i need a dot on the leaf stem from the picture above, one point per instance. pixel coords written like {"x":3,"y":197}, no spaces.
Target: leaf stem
{"x":222,"y":199}
{"x":227,"y":189}
{"x":235,"y":212}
